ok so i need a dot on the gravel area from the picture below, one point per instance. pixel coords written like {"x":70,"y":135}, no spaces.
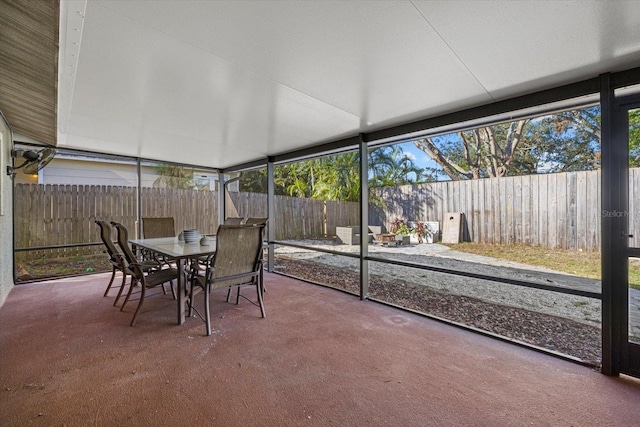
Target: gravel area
{"x":559,"y":322}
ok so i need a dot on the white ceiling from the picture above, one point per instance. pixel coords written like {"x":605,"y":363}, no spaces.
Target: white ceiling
{"x":218,"y":83}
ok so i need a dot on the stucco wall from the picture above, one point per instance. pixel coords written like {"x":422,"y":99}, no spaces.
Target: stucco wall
{"x":6,"y":215}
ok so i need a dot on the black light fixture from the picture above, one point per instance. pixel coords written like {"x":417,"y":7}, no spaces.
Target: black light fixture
{"x":33,"y":160}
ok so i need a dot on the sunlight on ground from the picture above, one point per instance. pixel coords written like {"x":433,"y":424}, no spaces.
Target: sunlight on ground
{"x":579,"y":263}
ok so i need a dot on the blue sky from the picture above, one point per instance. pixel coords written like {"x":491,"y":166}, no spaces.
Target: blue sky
{"x":419,"y":157}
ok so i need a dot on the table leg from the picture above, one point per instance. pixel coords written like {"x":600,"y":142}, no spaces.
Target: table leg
{"x":181,"y":291}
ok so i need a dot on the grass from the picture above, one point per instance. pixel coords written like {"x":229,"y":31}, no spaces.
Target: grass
{"x":584,"y":264}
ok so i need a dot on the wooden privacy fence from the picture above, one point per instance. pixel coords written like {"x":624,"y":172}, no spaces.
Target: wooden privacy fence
{"x":560,"y":210}
{"x":51,"y":215}
{"x":555,"y":210}
{"x":297,"y":218}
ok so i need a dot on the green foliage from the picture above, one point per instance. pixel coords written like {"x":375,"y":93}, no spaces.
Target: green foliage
{"x":568,"y":141}
{"x":390,"y":166}
{"x":400,"y":226}
{"x":327,"y":178}
{"x":336,"y":177}
{"x":562,"y":142}
{"x":171,"y":176}
{"x":254,"y":181}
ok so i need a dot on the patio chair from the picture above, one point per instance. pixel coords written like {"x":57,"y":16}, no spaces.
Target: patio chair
{"x":158,"y":227}
{"x":115,"y":258}
{"x":237,"y":262}
{"x":258,"y":221}
{"x":233,"y":221}
{"x":147,"y":281}
{"x":144,"y":265}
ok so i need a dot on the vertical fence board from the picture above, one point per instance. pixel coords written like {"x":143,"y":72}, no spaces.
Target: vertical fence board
{"x":511,"y":211}
{"x":561,"y":210}
{"x":593,"y":218}
{"x":480,"y":229}
{"x":572,"y":211}
{"x":498,"y":204}
{"x":48,"y":217}
{"x":38,"y":218}
{"x":526,"y":210}
{"x":535,"y":206}
{"x":23,"y":199}
{"x":488,"y":212}
{"x":57,"y":193}
{"x":581,"y":210}
{"x":469,"y":198}
{"x":544,"y":206}
{"x":522,"y":220}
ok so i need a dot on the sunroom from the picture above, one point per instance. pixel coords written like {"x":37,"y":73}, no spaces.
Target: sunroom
{"x":488,"y":149}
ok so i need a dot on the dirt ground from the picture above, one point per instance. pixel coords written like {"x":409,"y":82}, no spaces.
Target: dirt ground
{"x":566,"y":336}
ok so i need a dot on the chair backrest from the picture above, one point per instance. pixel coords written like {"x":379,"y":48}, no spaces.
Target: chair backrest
{"x":258,"y":221}
{"x":233,"y":221}
{"x":238,"y":253}
{"x":123,"y":242}
{"x":105,"y":235}
{"x":158,"y":227}
{"x":255,"y":221}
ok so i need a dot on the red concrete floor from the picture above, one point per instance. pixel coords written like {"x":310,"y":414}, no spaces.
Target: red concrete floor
{"x":319,"y":358}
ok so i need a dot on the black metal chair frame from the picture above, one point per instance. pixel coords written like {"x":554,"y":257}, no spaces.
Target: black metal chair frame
{"x":146,"y":281}
{"x":144,"y":265}
{"x":116,"y":258}
{"x":258,"y":221}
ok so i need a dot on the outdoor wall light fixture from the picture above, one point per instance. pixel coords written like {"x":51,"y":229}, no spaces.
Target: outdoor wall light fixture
{"x":33,"y":160}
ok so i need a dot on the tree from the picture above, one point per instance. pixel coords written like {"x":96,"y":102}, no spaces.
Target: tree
{"x":478,"y":153}
{"x":171,"y":176}
{"x":575,"y":143}
{"x":391,"y":166}
{"x":562,"y":142}
{"x":568,"y":141}
{"x":336,"y":177}
{"x":254,"y":181}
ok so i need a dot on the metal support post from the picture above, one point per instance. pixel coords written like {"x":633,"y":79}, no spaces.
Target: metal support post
{"x":364,"y":218}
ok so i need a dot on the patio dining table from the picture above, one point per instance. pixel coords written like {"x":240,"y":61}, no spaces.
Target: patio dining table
{"x":181,"y":252}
